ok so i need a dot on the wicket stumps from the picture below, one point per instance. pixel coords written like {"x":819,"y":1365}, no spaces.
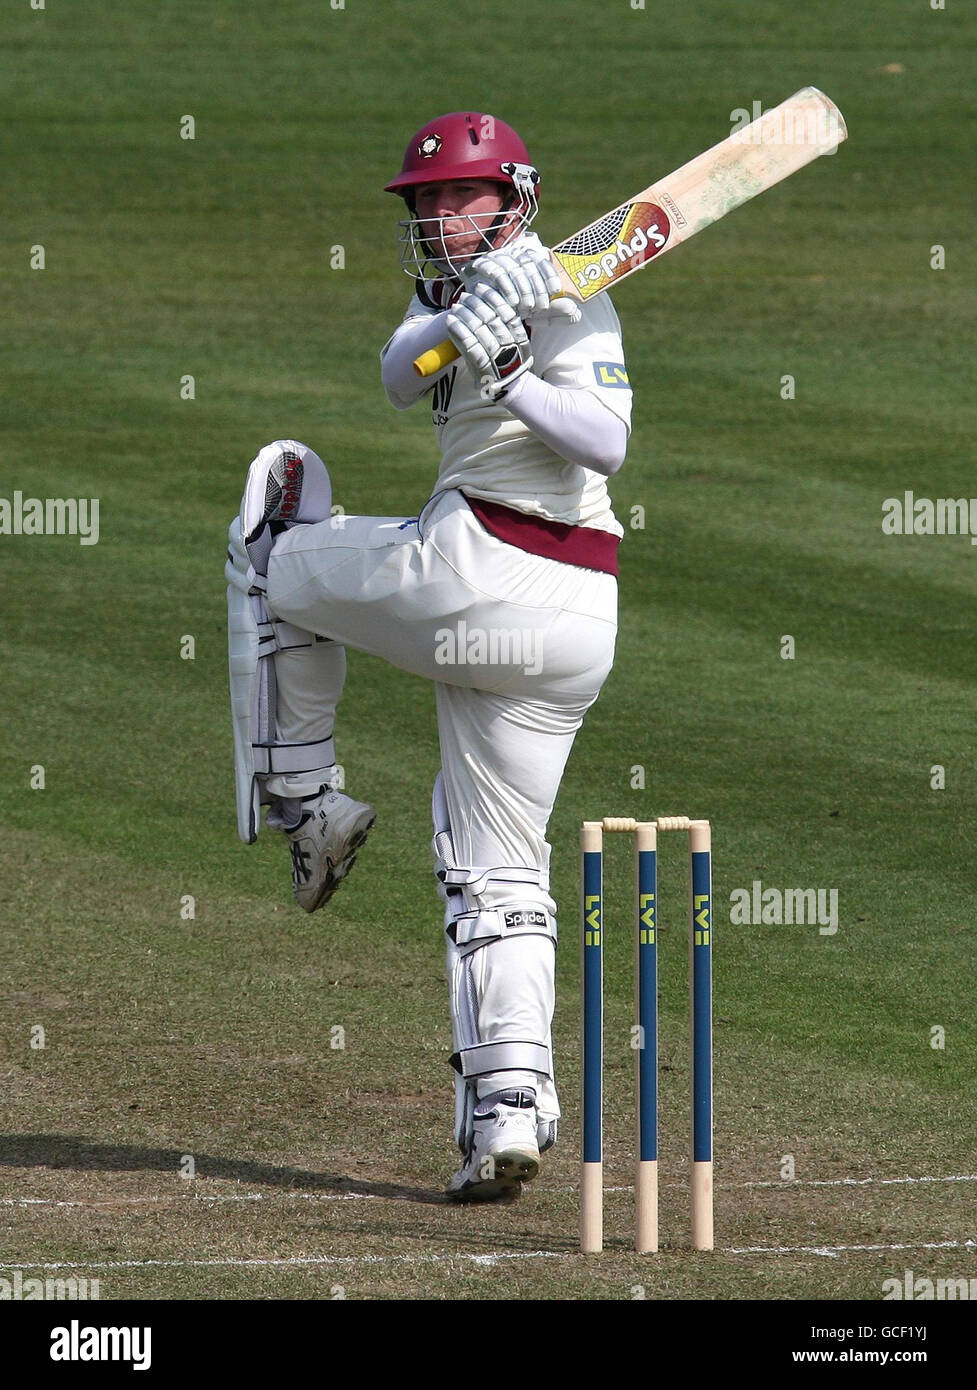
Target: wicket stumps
{"x":700,"y":1009}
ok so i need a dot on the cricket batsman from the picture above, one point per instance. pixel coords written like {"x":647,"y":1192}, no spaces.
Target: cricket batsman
{"x":502,"y":591}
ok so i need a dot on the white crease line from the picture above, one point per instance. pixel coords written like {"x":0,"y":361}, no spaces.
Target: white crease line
{"x":812,"y":1182}
{"x":193,"y":1197}
{"x":856,"y":1182}
{"x":833,"y":1251}
{"x":492,"y":1258}
{"x":376,"y":1196}
{"x":489,"y":1259}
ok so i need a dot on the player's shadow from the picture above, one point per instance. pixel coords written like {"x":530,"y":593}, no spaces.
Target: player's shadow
{"x":71,"y":1151}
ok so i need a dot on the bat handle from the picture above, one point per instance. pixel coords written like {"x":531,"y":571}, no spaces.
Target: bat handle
{"x":435,"y":358}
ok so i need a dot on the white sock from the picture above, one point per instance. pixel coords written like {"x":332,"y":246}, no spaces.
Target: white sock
{"x":291,"y":811}
{"x":293,"y":808}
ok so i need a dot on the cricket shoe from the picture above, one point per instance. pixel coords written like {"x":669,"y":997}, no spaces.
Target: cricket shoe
{"x":324,"y":844}
{"x":287,"y":485}
{"x":504,"y":1152}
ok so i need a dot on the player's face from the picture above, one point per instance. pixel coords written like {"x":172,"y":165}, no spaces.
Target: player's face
{"x":456,"y":216}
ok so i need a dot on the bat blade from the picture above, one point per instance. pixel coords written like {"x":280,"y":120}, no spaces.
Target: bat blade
{"x":722,"y":178}
{"x":662,"y":216}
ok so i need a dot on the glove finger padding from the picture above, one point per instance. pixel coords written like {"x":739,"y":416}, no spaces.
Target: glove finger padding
{"x":495,"y":350}
{"x":545,"y":268}
{"x":516,"y":279}
{"x":538,"y":298}
{"x":467,"y":343}
{"x":490,"y":306}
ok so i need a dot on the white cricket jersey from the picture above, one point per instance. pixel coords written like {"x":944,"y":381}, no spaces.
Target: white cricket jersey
{"x":488,"y":453}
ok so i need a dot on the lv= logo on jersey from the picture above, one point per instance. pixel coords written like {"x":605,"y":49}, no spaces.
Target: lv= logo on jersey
{"x":611,"y":374}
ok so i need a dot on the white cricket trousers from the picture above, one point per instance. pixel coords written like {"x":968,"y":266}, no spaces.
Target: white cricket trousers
{"x":518,"y":647}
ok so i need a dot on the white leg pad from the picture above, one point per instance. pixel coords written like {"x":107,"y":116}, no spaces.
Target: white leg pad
{"x":243,"y":662}
{"x":252,"y":640}
{"x":500,"y":967}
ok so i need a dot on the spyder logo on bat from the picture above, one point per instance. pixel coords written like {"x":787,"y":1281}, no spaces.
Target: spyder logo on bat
{"x":645,"y":243}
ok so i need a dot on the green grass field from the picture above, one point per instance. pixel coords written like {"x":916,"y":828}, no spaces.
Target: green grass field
{"x":319,"y":1168}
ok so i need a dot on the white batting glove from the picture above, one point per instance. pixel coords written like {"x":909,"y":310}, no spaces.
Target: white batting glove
{"x":524,"y":276}
{"x":528,"y":281}
{"x":561,"y":307}
{"x":491,"y":338}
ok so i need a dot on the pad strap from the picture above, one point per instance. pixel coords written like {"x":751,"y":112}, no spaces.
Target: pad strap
{"x":477,"y":879}
{"x":517,"y":1055}
{"x":273,"y":758}
{"x":491,"y":923}
{"x":275,"y":636}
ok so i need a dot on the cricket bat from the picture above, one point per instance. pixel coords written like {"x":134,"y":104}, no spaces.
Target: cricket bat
{"x":746,"y":163}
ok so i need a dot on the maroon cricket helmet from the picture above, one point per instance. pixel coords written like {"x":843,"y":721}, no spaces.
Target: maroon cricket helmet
{"x":463,"y":145}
